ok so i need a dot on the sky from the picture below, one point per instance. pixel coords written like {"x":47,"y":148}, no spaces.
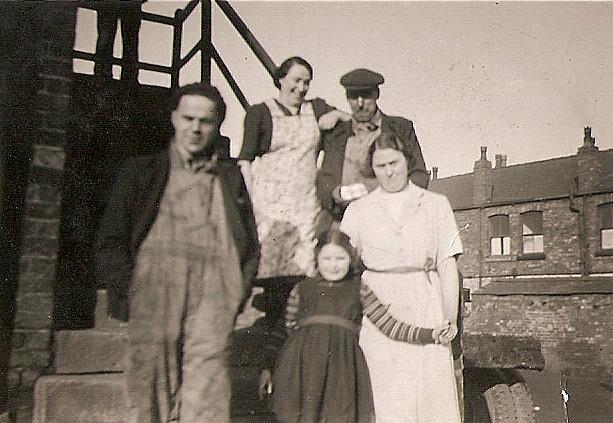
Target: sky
{"x":522,"y":78}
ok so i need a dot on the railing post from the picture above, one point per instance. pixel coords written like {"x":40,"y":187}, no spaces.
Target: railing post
{"x":176,"y":49}
{"x":205,"y":41}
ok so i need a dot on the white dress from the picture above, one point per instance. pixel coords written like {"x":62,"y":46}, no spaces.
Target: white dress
{"x":411,"y":383}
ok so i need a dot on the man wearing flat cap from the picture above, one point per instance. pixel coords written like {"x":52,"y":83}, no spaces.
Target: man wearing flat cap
{"x":343,"y":177}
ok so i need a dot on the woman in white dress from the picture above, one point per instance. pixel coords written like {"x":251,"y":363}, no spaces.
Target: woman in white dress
{"x":408,"y":241}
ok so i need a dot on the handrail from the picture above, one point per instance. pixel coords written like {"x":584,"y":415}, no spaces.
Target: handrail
{"x":226,"y":73}
{"x":77,"y":54}
{"x":204,"y":46}
{"x":248,"y":36}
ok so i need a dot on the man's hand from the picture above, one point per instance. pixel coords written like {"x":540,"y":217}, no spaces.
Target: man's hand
{"x":353,"y":191}
{"x":265,"y":383}
{"x":330,"y":119}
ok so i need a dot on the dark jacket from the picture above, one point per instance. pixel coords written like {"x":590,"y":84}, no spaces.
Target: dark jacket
{"x":133,"y":207}
{"x":334,"y":143}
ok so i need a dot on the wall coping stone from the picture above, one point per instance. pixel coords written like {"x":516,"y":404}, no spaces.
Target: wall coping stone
{"x":547,"y":286}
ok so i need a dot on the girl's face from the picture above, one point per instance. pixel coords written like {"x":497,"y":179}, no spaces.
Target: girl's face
{"x":333,"y":262}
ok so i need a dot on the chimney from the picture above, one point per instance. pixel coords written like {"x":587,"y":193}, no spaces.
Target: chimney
{"x":434,"y":173}
{"x":482,"y":183}
{"x":498,"y":160}
{"x":501,"y":160}
{"x":589,"y":166}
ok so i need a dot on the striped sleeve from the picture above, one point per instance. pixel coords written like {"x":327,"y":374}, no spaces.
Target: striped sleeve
{"x":394,"y":329}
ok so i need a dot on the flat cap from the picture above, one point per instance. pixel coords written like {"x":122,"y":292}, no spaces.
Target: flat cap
{"x":359,"y":79}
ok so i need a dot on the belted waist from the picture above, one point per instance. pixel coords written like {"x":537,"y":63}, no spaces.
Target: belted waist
{"x":329,"y":319}
{"x":426,"y":268}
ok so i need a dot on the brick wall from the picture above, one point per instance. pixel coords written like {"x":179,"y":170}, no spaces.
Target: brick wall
{"x":560,"y":233}
{"x":31,"y":342}
{"x":574,"y":330}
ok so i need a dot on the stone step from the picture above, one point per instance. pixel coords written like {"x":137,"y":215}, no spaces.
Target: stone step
{"x":102,"y":398}
{"x":80,"y":399}
{"x":103,"y":350}
{"x":96,"y":350}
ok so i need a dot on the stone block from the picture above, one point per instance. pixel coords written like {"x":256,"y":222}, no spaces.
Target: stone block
{"x":43,"y":194}
{"x":80,"y":398}
{"x":40,"y":247}
{"x":41,"y":228}
{"x":37,"y":274}
{"x":49,"y":157}
{"x":31,"y":339}
{"x":43,"y":211}
{"x":13,"y":378}
{"x":33,"y":310}
{"x":4,"y":418}
{"x":30,"y":358}
{"x":55,"y":83}
{"x":490,"y":351}
{"x":52,"y":101}
{"x":29,"y":376}
{"x":57,"y":119}
{"x":90,"y":351}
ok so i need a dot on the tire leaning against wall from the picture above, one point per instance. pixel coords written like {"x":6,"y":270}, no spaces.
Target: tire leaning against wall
{"x":497,"y":396}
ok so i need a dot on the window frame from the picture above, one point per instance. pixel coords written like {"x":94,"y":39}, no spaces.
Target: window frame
{"x":602,"y":226}
{"x":503,"y":238}
{"x":535,"y":233}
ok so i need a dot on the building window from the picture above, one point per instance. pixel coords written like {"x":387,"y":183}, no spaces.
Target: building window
{"x":500,"y":238}
{"x":605,"y":220}
{"x":532,"y":232}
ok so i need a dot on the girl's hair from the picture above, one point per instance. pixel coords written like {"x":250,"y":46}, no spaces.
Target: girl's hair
{"x":384,"y":140}
{"x":341,"y":239}
{"x":287,"y":64}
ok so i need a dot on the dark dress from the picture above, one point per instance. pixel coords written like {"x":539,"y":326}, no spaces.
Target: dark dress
{"x":321,"y":373}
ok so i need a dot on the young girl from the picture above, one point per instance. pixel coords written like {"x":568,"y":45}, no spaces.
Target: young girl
{"x":321,"y":374}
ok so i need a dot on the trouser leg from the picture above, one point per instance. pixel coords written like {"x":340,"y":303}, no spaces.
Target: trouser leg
{"x":205,"y":390}
{"x":130,"y":27}
{"x":107,"y":26}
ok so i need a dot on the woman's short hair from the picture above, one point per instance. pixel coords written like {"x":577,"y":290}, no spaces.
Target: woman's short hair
{"x":340,"y":238}
{"x":384,"y":140}
{"x":201,"y":89}
{"x":287,"y":64}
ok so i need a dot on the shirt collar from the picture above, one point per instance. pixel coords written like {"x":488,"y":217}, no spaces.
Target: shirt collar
{"x":372,"y":125}
{"x":194,"y":162}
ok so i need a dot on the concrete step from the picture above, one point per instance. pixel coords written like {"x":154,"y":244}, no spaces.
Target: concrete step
{"x":102,"y":398}
{"x":80,"y":399}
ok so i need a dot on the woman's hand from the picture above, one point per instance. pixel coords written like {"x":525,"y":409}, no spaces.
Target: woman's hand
{"x":444,"y":333}
{"x":265,"y":383}
{"x":330,"y":119}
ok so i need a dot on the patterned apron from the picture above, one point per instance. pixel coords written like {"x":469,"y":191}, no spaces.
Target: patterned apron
{"x":283,"y":194}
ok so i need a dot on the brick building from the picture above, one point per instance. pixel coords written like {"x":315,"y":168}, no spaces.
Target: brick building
{"x":538,"y":241}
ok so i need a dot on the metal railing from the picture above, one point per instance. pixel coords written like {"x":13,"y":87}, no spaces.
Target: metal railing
{"x":205,"y":45}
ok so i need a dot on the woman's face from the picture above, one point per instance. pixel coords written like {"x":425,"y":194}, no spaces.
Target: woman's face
{"x":333,"y":262}
{"x":390,"y":167}
{"x":295,"y":85}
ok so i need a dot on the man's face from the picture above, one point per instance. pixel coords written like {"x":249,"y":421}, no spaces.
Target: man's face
{"x":195,"y":122}
{"x":363,"y":104}
{"x":390,"y":167}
